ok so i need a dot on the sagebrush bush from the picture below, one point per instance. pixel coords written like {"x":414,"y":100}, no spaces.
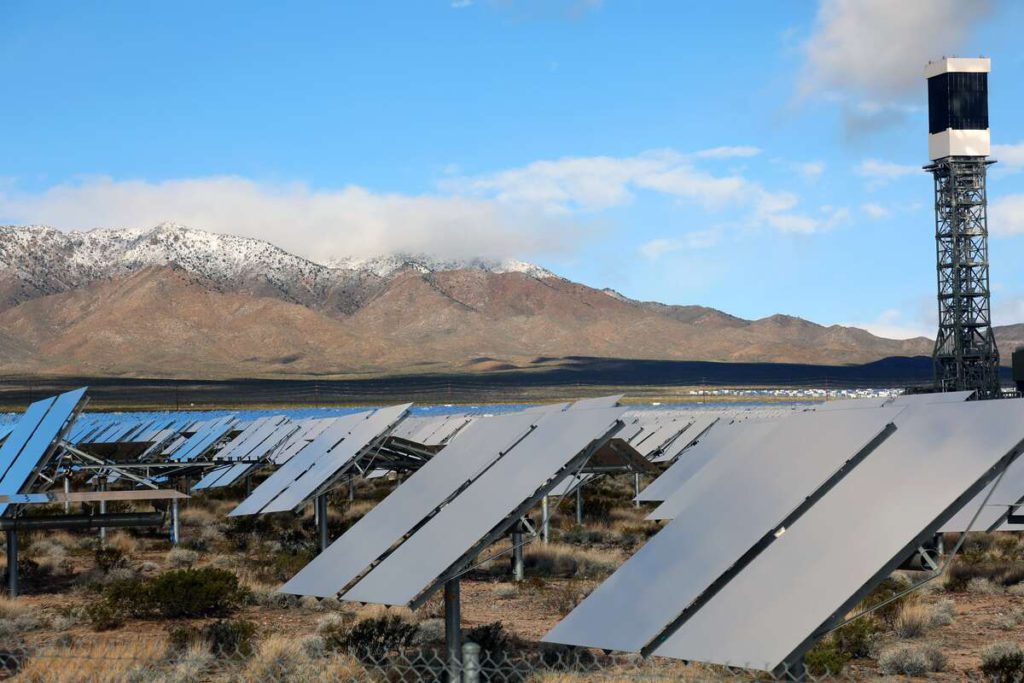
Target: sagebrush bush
{"x":1003,"y":663}
{"x":857,"y":638}
{"x":374,"y":638}
{"x":181,"y":558}
{"x":916,"y":660}
{"x":109,"y":558}
{"x":942,"y":613}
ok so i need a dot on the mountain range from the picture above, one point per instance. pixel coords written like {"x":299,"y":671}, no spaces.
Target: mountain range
{"x":172,"y":301}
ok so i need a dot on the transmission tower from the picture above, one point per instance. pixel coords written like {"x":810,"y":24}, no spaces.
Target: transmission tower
{"x":965,"y":355}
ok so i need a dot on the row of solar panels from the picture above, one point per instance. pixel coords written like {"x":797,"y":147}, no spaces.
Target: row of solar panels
{"x":775,"y":528}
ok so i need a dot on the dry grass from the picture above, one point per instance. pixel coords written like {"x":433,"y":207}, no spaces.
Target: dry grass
{"x":12,"y":609}
{"x":286,"y":659}
{"x":912,"y":621}
{"x":128,"y":545}
{"x":94,"y":661}
{"x":194,"y":516}
{"x":560,"y":560}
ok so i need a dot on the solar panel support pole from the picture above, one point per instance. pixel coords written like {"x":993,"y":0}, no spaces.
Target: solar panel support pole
{"x":636,"y":489}
{"x":12,"y":563}
{"x":352,"y":488}
{"x":102,"y":486}
{"x":579,"y":505}
{"x":517,"y":552}
{"x":67,"y":490}
{"x":453,"y":628}
{"x":545,"y":519}
{"x":321,"y":521}
{"x":175,"y":536}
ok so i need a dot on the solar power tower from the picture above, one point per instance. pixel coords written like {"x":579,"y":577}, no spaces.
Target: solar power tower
{"x":965,"y":355}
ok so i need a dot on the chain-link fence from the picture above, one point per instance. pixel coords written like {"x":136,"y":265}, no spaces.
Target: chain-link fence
{"x":90,"y":657}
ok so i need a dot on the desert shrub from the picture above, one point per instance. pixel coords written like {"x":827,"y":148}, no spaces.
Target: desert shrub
{"x":429,"y":632}
{"x":181,"y":593}
{"x":506,"y":592}
{"x":563,"y":598}
{"x":205,"y":592}
{"x":982,"y":586}
{"x":942,"y":613}
{"x":103,"y":616}
{"x":825,"y":659}
{"x":886,"y":590}
{"x":857,"y":637}
{"x":1003,"y":663}
{"x":911,"y":661}
{"x":181,"y":558}
{"x":333,"y":629}
{"x":109,"y":558}
{"x":999,"y":573}
{"x":557,"y":560}
{"x":912,"y":621}
{"x":221,"y":638}
{"x":372,"y":639}
{"x":493,"y":640}
{"x":598,"y":507}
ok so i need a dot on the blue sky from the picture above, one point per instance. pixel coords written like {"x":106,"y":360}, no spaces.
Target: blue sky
{"x":755,"y":157}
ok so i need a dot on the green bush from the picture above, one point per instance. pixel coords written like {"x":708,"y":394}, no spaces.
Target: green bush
{"x":492,"y":638}
{"x":373,"y":639}
{"x":1003,"y":663}
{"x":182,"y":593}
{"x":856,"y":638}
{"x":103,"y":616}
{"x":885,"y":590}
{"x":825,"y":659}
{"x":109,"y":558}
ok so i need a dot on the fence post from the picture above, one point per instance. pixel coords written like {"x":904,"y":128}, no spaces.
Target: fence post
{"x":471,"y":663}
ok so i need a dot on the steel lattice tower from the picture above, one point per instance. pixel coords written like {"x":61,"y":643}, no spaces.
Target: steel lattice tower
{"x":965,"y":355}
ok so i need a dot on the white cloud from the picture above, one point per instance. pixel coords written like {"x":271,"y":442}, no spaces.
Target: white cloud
{"x":806,"y":225}
{"x":875,"y":211}
{"x":879,"y":48}
{"x":1010,"y":157}
{"x":894,"y":324}
{"x":656,"y":248}
{"x":728,"y":152}
{"x":318,"y":224}
{"x":574,"y":185}
{"x":1006,"y":216}
{"x":880,"y":172}
{"x":810,"y":170}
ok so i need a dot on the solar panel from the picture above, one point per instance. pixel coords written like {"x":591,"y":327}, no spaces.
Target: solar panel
{"x":317,"y":463}
{"x":338,"y":458}
{"x":478,"y":445}
{"x":853,"y":403}
{"x":203,"y":439}
{"x":728,"y":507}
{"x":925,"y":399}
{"x":697,"y":456}
{"x":34,"y":439}
{"x":304,"y":437}
{"x":701,"y":424}
{"x":5,"y":430}
{"x":939,"y":457}
{"x":528,"y":470}
{"x":291,"y":470}
{"x":599,"y":402}
{"x":257,"y":447}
